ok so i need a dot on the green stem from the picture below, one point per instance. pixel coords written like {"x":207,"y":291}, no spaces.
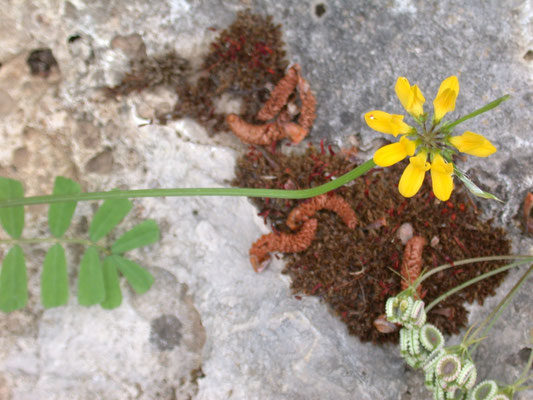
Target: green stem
{"x":474,"y":260}
{"x":84,"y":242}
{"x":181,"y":192}
{"x":472,"y":281}
{"x":502,"y":305}
{"x":481,"y":110}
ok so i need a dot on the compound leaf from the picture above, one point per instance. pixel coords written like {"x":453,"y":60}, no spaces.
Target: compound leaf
{"x":91,"y":288}
{"x":144,"y":234}
{"x":13,"y":281}
{"x":12,"y":218}
{"x":139,"y":278}
{"x":111,"y":212}
{"x":60,"y":214}
{"x":113,"y":295}
{"x":54,"y":279}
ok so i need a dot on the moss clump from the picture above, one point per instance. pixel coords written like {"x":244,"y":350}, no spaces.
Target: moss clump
{"x":352,"y":270}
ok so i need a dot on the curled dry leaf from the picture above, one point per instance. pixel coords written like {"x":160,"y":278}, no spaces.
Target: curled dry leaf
{"x":324,"y":201}
{"x":283,"y":242}
{"x":528,"y":212}
{"x":412,"y":262}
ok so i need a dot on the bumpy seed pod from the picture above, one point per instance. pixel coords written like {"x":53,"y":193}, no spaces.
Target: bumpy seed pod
{"x":390,"y":309}
{"x":283,"y":242}
{"x":485,"y":390}
{"x":412,"y":261}
{"x":324,"y":201}
{"x":431,"y":361}
{"x":448,"y":368}
{"x":262,"y":135}
{"x":414,"y":342}
{"x":431,"y":337}
{"x":308,"y":111}
{"x":418,"y":314}
{"x":280,"y":94}
{"x":467,"y":376}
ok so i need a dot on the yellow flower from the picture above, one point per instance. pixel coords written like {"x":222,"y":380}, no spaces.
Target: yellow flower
{"x":446,"y":96}
{"x":392,"y":153}
{"x":413,"y":175}
{"x":410,"y":96}
{"x":474,"y":144}
{"x":387,"y":123}
{"x":441,"y":178}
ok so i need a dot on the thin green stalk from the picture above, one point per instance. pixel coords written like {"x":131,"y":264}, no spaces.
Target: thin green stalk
{"x":54,"y":240}
{"x":182,"y":192}
{"x":481,"y":110}
{"x":474,"y":280}
{"x":502,"y":305}
{"x":474,"y":260}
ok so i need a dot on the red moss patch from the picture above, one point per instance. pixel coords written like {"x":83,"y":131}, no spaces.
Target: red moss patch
{"x":352,"y":270}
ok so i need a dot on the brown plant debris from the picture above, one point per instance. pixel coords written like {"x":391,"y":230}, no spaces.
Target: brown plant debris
{"x":244,"y":60}
{"x":412,"y":262}
{"x":528,"y":213}
{"x":149,"y":72}
{"x":283,"y":242}
{"x":350,"y":269}
{"x":265,"y":134}
{"x":330,"y":201}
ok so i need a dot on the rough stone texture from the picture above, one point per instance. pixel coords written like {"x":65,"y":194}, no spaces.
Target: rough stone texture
{"x":240,"y":335}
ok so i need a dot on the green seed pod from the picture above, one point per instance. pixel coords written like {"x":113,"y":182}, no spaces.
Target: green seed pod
{"x":391,"y":309}
{"x":431,"y":360}
{"x":418,"y":314}
{"x":485,"y":390}
{"x":431,"y":338}
{"x":414,"y":342}
{"x":465,"y":376}
{"x":448,"y":368}
{"x":404,"y":341}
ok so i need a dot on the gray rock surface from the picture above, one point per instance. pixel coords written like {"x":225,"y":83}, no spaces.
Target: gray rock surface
{"x":211,"y":328}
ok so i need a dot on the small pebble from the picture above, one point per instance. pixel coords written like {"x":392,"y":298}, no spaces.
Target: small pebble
{"x":405,"y":232}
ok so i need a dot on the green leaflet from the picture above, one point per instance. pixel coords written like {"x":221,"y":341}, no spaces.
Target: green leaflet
{"x":474,"y":189}
{"x":113,"y":295}
{"x":54,"y":279}
{"x":143,"y":234}
{"x":60,"y":214}
{"x":13,"y":281}
{"x":91,"y":287}
{"x":139,"y":278}
{"x":12,"y":218}
{"x":110,"y":213}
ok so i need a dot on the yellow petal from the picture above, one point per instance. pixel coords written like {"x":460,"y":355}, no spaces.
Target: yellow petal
{"x":387,"y":123}
{"x":446,"y":96}
{"x":474,"y":144}
{"x":413,"y":175}
{"x":441,"y":178}
{"x":392,"y":153}
{"x":410,"y":96}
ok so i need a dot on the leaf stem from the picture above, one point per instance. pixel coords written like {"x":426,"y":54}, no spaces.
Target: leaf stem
{"x":502,"y":305}
{"x":182,"y":192}
{"x":54,"y":240}
{"x":481,"y":110}
{"x":474,"y":280}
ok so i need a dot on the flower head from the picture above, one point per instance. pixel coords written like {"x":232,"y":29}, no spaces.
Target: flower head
{"x":433,"y":141}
